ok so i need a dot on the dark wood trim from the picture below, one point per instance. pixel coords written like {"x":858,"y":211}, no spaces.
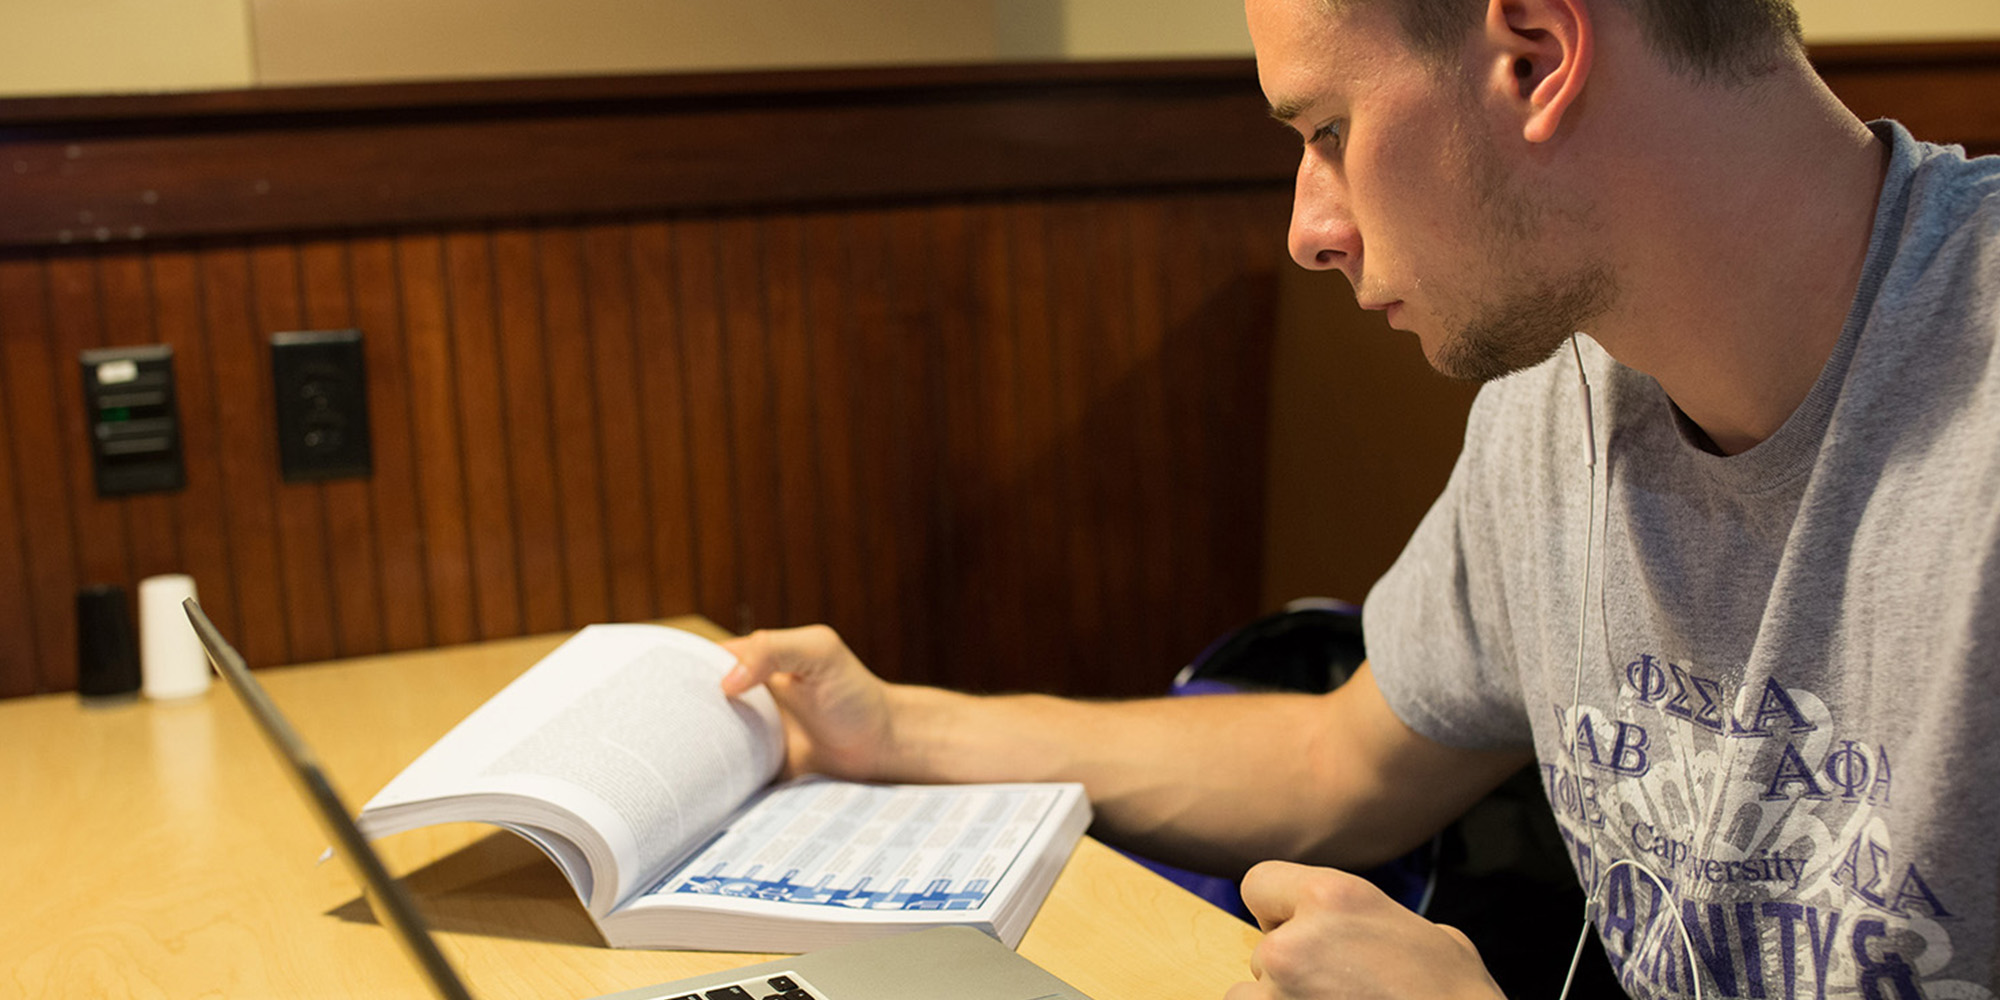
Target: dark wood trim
{"x":117,"y":169}
{"x":499,"y":95}
{"x":1864,"y":55}
{"x":546,"y":93}
{"x":1942,"y":91}
{"x":299,"y":160}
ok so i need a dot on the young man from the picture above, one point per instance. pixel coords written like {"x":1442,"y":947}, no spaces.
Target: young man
{"x":1751,"y":639}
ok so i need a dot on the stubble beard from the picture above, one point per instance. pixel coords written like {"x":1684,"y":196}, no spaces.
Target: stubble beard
{"x":1538,"y":308}
{"x":1525,"y":327}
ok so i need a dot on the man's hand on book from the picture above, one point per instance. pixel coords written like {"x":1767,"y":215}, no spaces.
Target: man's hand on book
{"x":837,"y":718}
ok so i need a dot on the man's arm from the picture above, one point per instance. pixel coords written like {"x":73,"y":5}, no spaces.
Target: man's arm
{"x":1215,"y":783}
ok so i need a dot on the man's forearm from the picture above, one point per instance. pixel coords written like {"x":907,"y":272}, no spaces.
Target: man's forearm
{"x":1216,"y":783}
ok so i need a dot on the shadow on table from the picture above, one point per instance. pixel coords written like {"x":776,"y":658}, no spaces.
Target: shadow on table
{"x":497,"y":886}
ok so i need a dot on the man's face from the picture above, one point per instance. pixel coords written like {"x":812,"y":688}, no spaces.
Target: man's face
{"x":1406,"y":186}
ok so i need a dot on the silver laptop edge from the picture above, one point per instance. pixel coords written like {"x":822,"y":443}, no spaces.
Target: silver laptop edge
{"x":385,"y":893}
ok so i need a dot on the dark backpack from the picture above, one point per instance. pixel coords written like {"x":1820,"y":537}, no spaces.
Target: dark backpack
{"x":1499,"y":873}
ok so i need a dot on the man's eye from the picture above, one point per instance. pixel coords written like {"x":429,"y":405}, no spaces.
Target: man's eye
{"x":1332,"y":130}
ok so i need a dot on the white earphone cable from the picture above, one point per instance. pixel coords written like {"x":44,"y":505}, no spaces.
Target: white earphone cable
{"x":1596,"y":883}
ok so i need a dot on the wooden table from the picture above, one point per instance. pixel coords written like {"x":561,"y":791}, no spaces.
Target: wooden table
{"x":155,"y":849}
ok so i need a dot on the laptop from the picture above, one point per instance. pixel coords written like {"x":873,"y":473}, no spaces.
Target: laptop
{"x":954,"y":961}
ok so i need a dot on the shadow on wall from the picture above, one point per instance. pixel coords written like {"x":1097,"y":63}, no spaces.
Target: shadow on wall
{"x":1029,"y":29}
{"x":1363,"y":436}
{"x":1101,"y":508}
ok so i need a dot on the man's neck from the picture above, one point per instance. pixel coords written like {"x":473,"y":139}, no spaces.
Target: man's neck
{"x":1750,"y":246}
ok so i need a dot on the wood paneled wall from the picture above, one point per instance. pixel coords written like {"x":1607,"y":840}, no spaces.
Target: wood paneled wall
{"x":969,"y":361}
{"x":1008,"y":438}
{"x":1943,"y":91}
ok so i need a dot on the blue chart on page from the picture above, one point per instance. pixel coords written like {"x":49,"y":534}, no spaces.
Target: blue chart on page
{"x":869,"y":847}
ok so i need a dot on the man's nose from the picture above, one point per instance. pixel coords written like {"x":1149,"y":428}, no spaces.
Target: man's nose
{"x":1323,"y":236}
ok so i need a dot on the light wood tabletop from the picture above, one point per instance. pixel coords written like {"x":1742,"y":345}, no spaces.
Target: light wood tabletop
{"x":156,"y":849}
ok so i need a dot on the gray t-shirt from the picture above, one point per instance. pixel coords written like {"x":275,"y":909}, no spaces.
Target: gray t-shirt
{"x":1789,"y":708}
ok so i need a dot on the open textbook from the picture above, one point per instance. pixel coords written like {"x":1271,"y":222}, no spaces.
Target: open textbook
{"x":619,"y":757}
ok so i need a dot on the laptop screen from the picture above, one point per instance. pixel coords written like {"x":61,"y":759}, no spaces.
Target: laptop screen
{"x":385,"y":893}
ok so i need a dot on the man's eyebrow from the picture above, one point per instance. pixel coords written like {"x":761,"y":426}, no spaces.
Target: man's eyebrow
{"x":1287,"y":110}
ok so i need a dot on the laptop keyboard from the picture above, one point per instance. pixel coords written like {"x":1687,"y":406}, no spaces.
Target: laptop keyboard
{"x":780,"y":986}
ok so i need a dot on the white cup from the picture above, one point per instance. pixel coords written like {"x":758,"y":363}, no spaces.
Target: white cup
{"x":171,"y":659}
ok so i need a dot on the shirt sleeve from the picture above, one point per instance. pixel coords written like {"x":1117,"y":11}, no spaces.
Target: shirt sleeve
{"x":1439,"y":641}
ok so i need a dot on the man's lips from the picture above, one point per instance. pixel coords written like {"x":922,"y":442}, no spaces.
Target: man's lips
{"x":1388,"y":309}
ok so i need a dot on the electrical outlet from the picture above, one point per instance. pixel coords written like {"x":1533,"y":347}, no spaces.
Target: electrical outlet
{"x":322,"y":395}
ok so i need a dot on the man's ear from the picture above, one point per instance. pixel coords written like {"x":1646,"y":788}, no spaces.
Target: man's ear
{"x":1541,"y":53}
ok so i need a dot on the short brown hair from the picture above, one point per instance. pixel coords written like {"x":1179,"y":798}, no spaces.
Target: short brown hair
{"x":1720,"y":39}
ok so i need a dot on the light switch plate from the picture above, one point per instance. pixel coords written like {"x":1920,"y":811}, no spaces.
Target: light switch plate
{"x":134,"y":419}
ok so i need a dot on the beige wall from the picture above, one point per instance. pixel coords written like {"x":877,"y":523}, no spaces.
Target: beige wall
{"x":98,"y":46}
{"x":1127,"y":29}
{"x":1112,"y":29}
{"x":1906,"y":20}
{"x":321,"y":41}
{"x":101,"y":46}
